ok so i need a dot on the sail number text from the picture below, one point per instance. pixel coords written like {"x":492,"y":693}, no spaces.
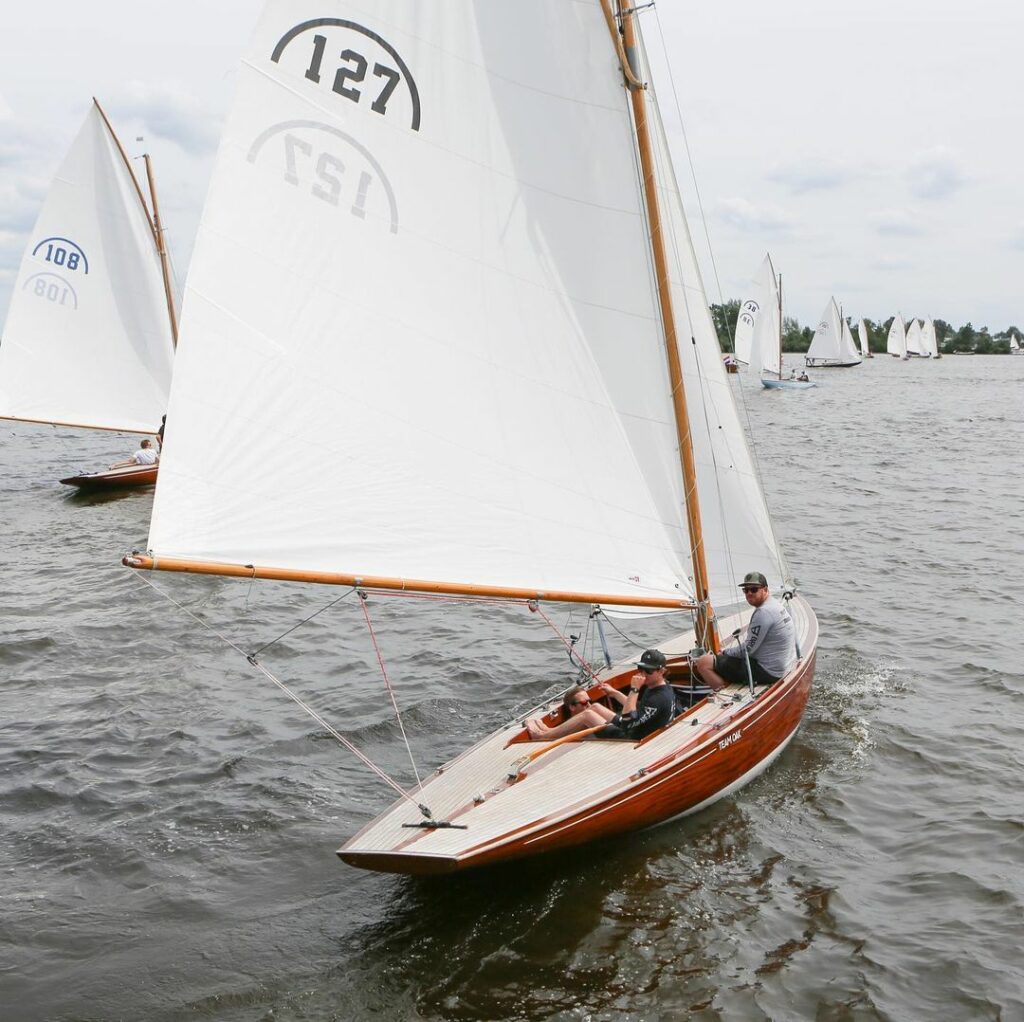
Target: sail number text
{"x":351,"y":72}
{"x":328,"y":169}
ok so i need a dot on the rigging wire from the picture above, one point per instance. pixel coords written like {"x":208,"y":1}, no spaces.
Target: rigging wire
{"x":363,"y":601}
{"x":251,"y":658}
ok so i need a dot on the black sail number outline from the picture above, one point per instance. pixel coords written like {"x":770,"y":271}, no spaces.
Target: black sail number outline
{"x":342,"y":23}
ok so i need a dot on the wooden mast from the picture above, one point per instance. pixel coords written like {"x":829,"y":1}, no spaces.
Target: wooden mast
{"x":161,"y":248}
{"x":153,"y":218}
{"x":706,"y":632}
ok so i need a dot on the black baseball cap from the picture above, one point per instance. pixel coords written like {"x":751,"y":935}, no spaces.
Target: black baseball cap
{"x":652,"y":660}
{"x":754,"y":578}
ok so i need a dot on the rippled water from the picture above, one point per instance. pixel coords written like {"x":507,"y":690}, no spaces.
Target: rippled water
{"x":169,"y":820}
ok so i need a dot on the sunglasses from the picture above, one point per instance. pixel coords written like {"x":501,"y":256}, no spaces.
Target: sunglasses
{"x":581,"y":702}
{"x":752,"y":589}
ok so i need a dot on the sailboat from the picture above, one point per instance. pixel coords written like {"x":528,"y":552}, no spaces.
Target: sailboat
{"x":896,"y":342}
{"x":832,"y":345}
{"x":929,"y":345}
{"x":1015,"y":348}
{"x":862,"y":336}
{"x":915,"y":347}
{"x":446,"y":238}
{"x":90,"y":332}
{"x":759,"y":331}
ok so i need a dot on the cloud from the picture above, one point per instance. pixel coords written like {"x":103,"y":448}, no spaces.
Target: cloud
{"x":896,"y":223}
{"x":811,"y":176}
{"x":170,"y":113}
{"x":1017,"y":239}
{"x":745,"y":216}
{"x":936,"y":174}
{"x":892,"y":262}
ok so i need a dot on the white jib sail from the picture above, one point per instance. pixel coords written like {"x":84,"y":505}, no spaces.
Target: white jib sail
{"x":929,"y":345}
{"x":847,"y":347}
{"x":862,"y":336}
{"x":419,"y":336}
{"x":914,"y":338}
{"x":827,"y":338}
{"x":896,"y":342}
{"x":88,"y":339}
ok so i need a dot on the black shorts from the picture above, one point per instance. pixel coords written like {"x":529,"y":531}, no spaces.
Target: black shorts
{"x":734,"y":670}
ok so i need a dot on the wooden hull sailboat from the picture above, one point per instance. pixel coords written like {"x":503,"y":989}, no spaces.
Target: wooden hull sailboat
{"x":502,"y":806}
{"x":133,"y":477}
{"x":93,"y":304}
{"x":771,"y":383}
{"x":476,"y":171}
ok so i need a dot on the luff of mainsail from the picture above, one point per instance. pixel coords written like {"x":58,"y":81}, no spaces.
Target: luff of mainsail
{"x":89,"y":335}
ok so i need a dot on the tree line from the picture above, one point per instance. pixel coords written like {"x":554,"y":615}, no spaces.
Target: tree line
{"x":797,"y":338}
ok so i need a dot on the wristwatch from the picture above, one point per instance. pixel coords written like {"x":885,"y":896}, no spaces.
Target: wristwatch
{"x":634,"y":688}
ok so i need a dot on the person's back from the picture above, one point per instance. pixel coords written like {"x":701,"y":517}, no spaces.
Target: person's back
{"x":776,"y":652}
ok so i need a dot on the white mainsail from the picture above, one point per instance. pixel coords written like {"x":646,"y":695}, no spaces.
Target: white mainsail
{"x":402,"y":354}
{"x":758,"y":330}
{"x":862,"y":336}
{"x":827,"y":340}
{"x":88,"y":337}
{"x":914,"y":338}
{"x":929,"y":346}
{"x":896,"y":342}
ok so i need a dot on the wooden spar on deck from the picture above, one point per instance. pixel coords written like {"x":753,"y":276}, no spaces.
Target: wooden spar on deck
{"x":161,"y":247}
{"x":705,"y":629}
{"x":145,"y":562}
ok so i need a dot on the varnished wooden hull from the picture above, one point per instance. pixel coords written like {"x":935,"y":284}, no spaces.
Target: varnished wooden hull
{"x":589,"y":790}
{"x":115,"y":478}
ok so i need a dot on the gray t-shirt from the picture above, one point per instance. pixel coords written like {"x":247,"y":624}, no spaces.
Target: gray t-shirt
{"x":770,"y":639}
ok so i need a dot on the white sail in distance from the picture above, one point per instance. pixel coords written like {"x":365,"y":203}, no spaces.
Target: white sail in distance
{"x":847,"y":347}
{"x":929,"y":345}
{"x":862,"y":336}
{"x":896,"y":342}
{"x":914,"y":338}
{"x":827,"y":340}
{"x":88,"y":338}
{"x":758,"y":329}
{"x":399,"y":356}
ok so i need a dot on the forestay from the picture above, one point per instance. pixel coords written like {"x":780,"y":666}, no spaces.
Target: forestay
{"x":420,"y":336}
{"x":88,"y":337}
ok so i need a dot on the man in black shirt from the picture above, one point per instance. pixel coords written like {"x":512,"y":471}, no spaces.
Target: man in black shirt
{"x":650,"y":704}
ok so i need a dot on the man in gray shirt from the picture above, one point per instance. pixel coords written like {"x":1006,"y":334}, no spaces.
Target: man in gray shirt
{"x":770,"y":642}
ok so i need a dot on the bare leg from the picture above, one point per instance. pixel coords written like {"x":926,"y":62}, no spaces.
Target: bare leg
{"x":590,"y":717}
{"x":705,"y":667}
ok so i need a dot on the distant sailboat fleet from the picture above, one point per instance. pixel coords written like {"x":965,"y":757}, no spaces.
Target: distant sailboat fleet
{"x":758,"y":336}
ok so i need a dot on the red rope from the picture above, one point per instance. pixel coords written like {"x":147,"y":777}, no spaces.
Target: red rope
{"x":568,"y":645}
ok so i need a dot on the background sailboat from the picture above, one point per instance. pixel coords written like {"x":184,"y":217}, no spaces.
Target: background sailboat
{"x":415,"y":249}
{"x":759,"y":331}
{"x":90,"y":332}
{"x":862,"y":336}
{"x":1015,"y":348}
{"x":832,"y":345}
{"x":929,"y":345}
{"x":896,"y":342}
{"x":915,"y":348}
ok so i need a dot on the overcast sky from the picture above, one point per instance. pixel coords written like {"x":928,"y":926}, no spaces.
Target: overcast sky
{"x":874,"y":148}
